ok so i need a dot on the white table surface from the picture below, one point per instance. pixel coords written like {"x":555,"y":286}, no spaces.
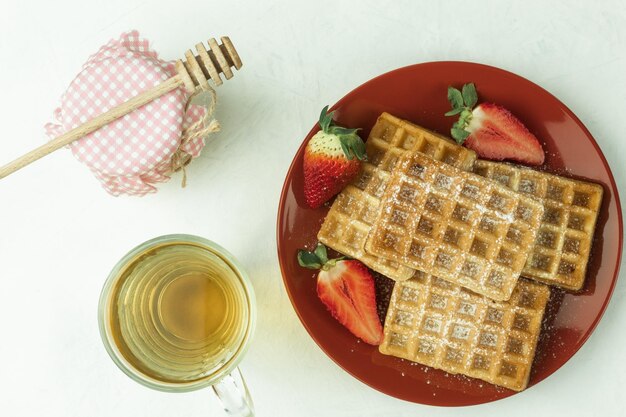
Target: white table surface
{"x":60,"y":233}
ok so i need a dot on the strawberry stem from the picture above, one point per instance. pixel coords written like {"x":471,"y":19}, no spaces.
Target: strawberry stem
{"x":317,"y":259}
{"x":462,"y":103}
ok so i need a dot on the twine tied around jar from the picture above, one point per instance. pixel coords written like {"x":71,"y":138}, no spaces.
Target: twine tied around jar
{"x":201,"y":128}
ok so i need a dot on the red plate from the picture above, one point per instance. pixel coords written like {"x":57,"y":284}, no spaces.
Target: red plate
{"x":418,"y":93}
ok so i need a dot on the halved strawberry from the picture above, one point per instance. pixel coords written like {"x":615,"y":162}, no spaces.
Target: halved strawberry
{"x":346,"y":287}
{"x":491,"y":130}
{"x":331,"y":160}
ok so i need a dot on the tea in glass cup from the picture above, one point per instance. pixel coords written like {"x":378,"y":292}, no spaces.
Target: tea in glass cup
{"x":176,"y":314}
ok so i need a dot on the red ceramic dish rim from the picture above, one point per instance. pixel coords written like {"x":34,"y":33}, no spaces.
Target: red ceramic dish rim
{"x":566,"y":109}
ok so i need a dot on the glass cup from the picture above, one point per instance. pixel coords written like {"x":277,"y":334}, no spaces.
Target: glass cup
{"x":176,"y":314}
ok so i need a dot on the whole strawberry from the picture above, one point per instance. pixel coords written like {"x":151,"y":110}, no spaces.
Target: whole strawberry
{"x":491,"y":130}
{"x":331,"y":160}
{"x":346,"y":287}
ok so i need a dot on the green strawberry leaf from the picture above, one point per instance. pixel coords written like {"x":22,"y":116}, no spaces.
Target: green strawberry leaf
{"x":346,"y":149}
{"x":318,"y":259}
{"x":351,"y":143}
{"x":342,"y":131}
{"x":459,"y":134}
{"x":320,"y":252}
{"x":323,"y":114}
{"x":455,"y":98}
{"x":309,"y":260}
{"x":326,"y":119}
{"x":454,"y":112}
{"x":352,"y":146}
{"x":462,"y":104}
{"x":470,"y":97}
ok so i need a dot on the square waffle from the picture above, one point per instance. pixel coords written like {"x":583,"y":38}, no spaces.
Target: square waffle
{"x":456,"y":225}
{"x":391,"y":137}
{"x":353,"y":212}
{"x":561,"y":250}
{"x":439,"y":324}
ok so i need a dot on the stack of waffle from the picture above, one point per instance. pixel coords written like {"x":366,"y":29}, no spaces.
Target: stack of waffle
{"x":456,"y":234}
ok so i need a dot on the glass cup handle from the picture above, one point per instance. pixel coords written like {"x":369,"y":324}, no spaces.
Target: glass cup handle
{"x":233,"y":393}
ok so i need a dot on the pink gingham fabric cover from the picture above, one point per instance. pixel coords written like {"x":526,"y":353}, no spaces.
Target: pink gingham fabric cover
{"x":131,"y":154}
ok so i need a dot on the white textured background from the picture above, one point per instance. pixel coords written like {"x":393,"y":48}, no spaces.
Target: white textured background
{"x":60,"y":233}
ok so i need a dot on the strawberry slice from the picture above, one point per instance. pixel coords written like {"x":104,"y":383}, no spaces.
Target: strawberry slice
{"x":331,"y":160}
{"x":346,"y":287}
{"x":491,"y":130}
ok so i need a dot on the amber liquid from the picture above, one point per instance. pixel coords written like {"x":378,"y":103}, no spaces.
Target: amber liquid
{"x":191,"y":307}
{"x":179,"y":313}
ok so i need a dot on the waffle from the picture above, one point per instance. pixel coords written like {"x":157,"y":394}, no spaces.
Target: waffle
{"x":351,"y":216}
{"x":390,"y":137}
{"x":561,"y":250}
{"x":350,"y":219}
{"x":442,"y":325}
{"x":456,"y":225}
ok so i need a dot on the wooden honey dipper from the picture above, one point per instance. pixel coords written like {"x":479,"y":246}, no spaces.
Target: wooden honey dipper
{"x":193,"y":74}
